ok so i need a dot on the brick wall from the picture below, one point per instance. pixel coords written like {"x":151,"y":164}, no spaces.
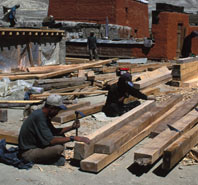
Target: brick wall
{"x":122,"y":12}
{"x":133,"y":14}
{"x":165,"y":34}
{"x":82,"y":10}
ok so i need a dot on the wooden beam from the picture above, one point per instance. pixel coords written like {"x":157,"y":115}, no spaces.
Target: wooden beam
{"x":178,"y":149}
{"x":70,"y":115}
{"x":153,"y":80}
{"x":29,"y":50}
{"x":153,"y":150}
{"x":67,"y":89}
{"x":82,"y":151}
{"x":9,"y":136}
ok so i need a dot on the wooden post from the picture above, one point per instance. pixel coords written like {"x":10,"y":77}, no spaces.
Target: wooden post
{"x":39,"y":56}
{"x":29,"y":50}
{"x":18,"y":55}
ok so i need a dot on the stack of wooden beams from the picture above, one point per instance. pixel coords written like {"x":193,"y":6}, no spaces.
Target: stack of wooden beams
{"x":150,"y":79}
{"x":185,"y":70}
{"x":175,"y":141}
{"x":111,"y":141}
{"x":44,"y":72}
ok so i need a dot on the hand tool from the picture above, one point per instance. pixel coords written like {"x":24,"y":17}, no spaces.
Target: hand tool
{"x":82,"y":115}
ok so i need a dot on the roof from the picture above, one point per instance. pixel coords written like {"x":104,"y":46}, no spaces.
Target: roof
{"x":143,"y":1}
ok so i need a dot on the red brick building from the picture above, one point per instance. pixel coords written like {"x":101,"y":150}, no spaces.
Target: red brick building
{"x":130,"y":13}
{"x":169,"y":29}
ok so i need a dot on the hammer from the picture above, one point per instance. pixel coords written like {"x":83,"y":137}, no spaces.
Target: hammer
{"x":82,"y":115}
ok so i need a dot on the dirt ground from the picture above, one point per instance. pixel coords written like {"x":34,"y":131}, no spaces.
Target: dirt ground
{"x":121,"y":172}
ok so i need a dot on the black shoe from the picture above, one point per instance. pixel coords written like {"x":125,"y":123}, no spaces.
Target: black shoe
{"x":60,"y":161}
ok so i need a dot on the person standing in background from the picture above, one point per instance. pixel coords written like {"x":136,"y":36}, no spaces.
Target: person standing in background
{"x":92,"y":46}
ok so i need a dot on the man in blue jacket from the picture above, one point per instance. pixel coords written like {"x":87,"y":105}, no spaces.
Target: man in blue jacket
{"x":12,"y":19}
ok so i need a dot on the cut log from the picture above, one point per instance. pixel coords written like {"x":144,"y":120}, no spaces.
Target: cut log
{"x":178,"y":149}
{"x":153,"y":150}
{"x":70,"y":115}
{"x":9,"y":136}
{"x":82,"y":150}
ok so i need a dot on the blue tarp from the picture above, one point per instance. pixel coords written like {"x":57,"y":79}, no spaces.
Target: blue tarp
{"x":10,"y":156}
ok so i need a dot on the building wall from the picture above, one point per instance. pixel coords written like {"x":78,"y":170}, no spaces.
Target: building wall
{"x":133,"y":14}
{"x":82,"y":10}
{"x":122,"y":12}
{"x":165,"y":34}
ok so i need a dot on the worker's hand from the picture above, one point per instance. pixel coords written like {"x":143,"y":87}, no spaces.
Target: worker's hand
{"x":76,"y":124}
{"x":151,"y":97}
{"x":82,"y":139}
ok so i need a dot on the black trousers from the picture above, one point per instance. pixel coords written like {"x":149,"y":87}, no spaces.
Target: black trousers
{"x":113,"y":109}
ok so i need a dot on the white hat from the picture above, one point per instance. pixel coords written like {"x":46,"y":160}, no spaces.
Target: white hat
{"x":56,"y":100}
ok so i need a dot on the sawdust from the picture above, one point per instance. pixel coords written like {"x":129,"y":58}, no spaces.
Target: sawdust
{"x":191,"y":158}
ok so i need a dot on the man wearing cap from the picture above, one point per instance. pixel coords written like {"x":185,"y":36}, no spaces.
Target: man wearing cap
{"x":40,"y":141}
{"x":114,"y":105}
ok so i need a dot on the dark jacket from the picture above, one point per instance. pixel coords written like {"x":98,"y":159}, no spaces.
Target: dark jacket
{"x":91,"y":42}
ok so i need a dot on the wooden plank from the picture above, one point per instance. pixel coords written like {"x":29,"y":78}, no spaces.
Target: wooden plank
{"x":9,"y":136}
{"x":20,"y":101}
{"x":49,"y":68}
{"x":70,"y":115}
{"x":58,"y":80}
{"x":96,"y":162}
{"x":60,"y":85}
{"x":72,"y":60}
{"x":153,"y":80}
{"x":102,"y":77}
{"x":81,"y":150}
{"x":84,"y":66}
{"x":153,"y":150}
{"x":67,"y":89}
{"x":74,"y":106}
{"x":181,"y":111}
{"x":178,"y":149}
{"x":44,"y":95}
